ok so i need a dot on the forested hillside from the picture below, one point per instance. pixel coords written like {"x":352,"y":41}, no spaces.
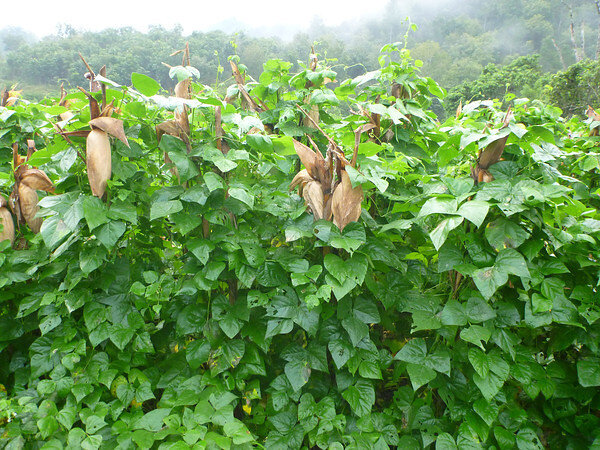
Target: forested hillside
{"x":454,"y":40}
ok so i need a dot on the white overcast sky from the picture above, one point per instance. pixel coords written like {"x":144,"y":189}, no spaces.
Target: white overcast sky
{"x":42,"y":16}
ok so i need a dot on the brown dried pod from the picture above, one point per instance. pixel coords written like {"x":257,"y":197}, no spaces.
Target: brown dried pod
{"x":346,"y":202}
{"x":37,"y":179}
{"x":28,"y":203}
{"x":98,"y":161}
{"x":112,"y":126}
{"x":8,"y":226}
{"x":313,"y":194}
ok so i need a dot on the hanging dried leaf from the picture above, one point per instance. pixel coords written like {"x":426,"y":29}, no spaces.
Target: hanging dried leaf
{"x":312,"y":118}
{"x":313,"y":195}
{"x":315,"y":164}
{"x":37,"y":179}
{"x":248,"y":102}
{"x":592,"y":114}
{"x":308,"y":157}
{"x":399,"y":91}
{"x":172,"y":128}
{"x":301,"y":179}
{"x":107,"y":110}
{"x":76,"y":133}
{"x":327,"y":211}
{"x":346,"y":202}
{"x":98,"y":161}
{"x":6,"y":220}
{"x":28,"y":204}
{"x":491,"y":154}
{"x":459,"y":110}
{"x":182,"y":89}
{"x":357,"y":133}
{"x":112,"y":126}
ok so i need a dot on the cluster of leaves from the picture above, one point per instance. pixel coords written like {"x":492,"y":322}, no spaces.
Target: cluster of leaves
{"x":208,"y":309}
{"x":522,"y":77}
{"x":573,"y":89}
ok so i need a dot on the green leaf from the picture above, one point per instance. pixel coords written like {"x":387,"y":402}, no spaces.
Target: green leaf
{"x":474,"y":211}
{"x":414,"y":351}
{"x":445,"y":441}
{"x":201,"y":249}
{"x":419,"y":375}
{"x":454,"y":313}
{"x":488,"y":280}
{"x":94,"y":212}
{"x":196,"y":353}
{"x":260,"y":142}
{"x":144,"y":84}
{"x":152,"y":421}
{"x":476,"y":334}
{"x":438,"y":206}
{"x":110,"y":233}
{"x":440,"y":233}
{"x":503,"y":233}
{"x":489,"y":385}
{"x":298,"y":373}
{"x":164,"y":208}
{"x":360,"y":397}
{"x":243,"y":196}
{"x":341,"y":351}
{"x":588,"y":372}
{"x":357,"y":329}
{"x":511,"y":261}
{"x":479,"y":310}
{"x":48,"y":426}
{"x":213,"y":181}
{"x":479,"y":361}
{"x":366,"y":310}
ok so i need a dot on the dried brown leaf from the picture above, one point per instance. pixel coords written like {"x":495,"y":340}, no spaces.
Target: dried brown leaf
{"x":98,"y":161}
{"x":28,"y":204}
{"x":313,"y":195}
{"x":357,"y":133}
{"x":112,"y":126}
{"x":346,"y":202}
{"x":36,"y":179}
{"x":308,"y":157}
{"x":301,"y":179}
{"x":6,"y":220}
{"x":182,"y":89}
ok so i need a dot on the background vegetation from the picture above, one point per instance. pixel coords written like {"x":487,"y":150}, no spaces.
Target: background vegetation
{"x":473,"y":48}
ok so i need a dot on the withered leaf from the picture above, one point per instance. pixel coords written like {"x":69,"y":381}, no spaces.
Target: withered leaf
{"x":313,"y":195}
{"x":112,"y":126}
{"x":98,"y":161}
{"x":37,"y":179}
{"x":28,"y":204}
{"x":182,"y":89}
{"x":346,"y":202}
{"x":314,"y":162}
{"x":301,"y":179}
{"x":8,"y":230}
{"x":357,"y":133}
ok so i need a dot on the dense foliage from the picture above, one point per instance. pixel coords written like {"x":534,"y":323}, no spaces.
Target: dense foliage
{"x":209,"y":310}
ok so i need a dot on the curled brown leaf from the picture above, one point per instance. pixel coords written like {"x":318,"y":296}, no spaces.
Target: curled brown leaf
{"x":112,"y":126}
{"x":346,"y":202}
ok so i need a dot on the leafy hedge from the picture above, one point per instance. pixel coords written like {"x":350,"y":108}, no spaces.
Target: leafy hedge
{"x":209,"y":310}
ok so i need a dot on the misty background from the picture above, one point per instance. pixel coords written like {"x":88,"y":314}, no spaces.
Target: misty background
{"x":458,"y":42}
